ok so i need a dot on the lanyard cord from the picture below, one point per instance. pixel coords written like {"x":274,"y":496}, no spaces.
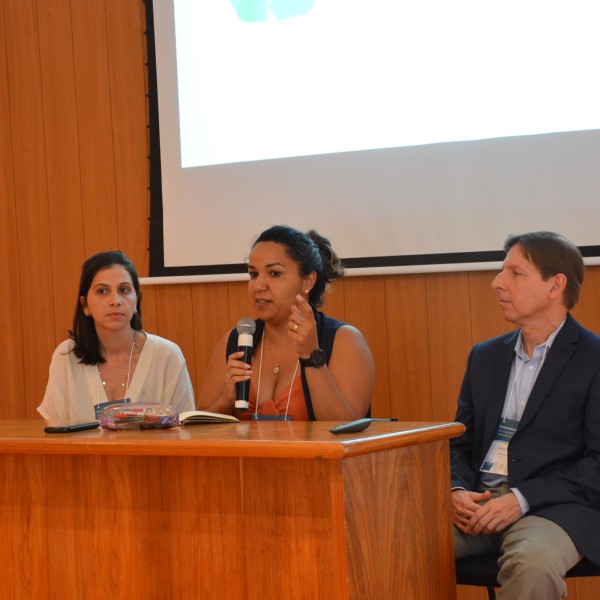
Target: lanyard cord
{"x":128,"y":373}
{"x":514,"y":382}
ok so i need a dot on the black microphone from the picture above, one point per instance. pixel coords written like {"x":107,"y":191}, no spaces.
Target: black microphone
{"x":245,"y":328}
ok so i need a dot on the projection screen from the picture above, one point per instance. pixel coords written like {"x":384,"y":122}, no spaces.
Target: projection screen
{"x":415,"y":135}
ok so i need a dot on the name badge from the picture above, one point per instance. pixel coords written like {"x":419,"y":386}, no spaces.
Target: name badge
{"x":496,"y":459}
{"x":256,"y":417}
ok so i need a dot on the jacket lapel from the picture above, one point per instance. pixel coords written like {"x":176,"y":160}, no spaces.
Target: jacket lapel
{"x":503,"y":359}
{"x":559,"y":354}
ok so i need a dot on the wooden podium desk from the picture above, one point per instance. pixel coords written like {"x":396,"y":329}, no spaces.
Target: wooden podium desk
{"x":260,"y":510}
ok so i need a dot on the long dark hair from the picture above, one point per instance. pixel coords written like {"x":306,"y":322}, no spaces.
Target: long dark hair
{"x":311,"y":252}
{"x":87,"y":348}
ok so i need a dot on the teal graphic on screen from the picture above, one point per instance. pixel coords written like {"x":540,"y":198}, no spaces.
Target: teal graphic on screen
{"x":254,"y":11}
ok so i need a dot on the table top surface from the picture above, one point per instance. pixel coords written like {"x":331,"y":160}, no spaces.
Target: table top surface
{"x":262,"y":439}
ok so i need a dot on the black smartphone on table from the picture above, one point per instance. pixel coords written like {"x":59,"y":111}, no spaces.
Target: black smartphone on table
{"x":71,"y":428}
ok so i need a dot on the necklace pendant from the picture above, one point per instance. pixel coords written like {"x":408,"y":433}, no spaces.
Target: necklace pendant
{"x":276,"y":369}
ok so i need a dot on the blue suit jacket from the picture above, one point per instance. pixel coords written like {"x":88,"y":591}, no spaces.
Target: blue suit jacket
{"x":554,"y":456}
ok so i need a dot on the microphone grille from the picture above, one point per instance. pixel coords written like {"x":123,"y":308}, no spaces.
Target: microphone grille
{"x":246,"y":325}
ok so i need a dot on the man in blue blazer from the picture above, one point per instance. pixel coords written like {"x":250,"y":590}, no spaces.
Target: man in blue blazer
{"x":526,"y":472}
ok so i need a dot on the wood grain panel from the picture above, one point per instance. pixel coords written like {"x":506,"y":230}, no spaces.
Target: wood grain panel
{"x":29,"y":548}
{"x":291,"y":525}
{"x":583,"y":588}
{"x":75,"y":486}
{"x":239,"y":302}
{"x":36,"y":315}
{"x":408,"y":347}
{"x":112,"y":515}
{"x":485,"y":314}
{"x":449,"y":338}
{"x":414,"y":506}
{"x":334,"y":301}
{"x":587,"y":310}
{"x":95,"y":122}
{"x":11,"y":335}
{"x":62,"y":158}
{"x":174,"y":529}
{"x":364,"y":301}
{"x":171,"y":303}
{"x":467,"y":592}
{"x":207,"y":523}
{"x":149,"y":314}
{"x":211,"y":322}
{"x":128,"y":125}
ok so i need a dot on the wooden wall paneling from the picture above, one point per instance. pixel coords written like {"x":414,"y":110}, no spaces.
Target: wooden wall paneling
{"x":126,"y":56}
{"x":95,"y":122}
{"x":11,"y":338}
{"x":210,"y":305}
{"x":406,"y":316}
{"x":174,"y":319}
{"x":486,"y":317}
{"x":31,"y":201}
{"x":149,"y":314}
{"x":364,"y":300}
{"x":239,"y":302}
{"x":587,"y":310}
{"x":334,"y":300}
{"x":449,"y":338}
{"x":62,"y":156}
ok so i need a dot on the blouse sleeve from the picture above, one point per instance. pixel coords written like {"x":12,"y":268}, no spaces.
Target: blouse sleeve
{"x":177,"y":390}
{"x":54,"y":406}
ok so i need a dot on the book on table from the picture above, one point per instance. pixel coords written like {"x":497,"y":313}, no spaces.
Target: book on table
{"x":200,"y":417}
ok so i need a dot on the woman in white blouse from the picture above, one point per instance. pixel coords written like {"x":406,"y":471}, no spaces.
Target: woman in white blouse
{"x":108,"y":357}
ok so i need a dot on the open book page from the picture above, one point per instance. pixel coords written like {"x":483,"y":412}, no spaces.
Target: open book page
{"x":202,"y":416}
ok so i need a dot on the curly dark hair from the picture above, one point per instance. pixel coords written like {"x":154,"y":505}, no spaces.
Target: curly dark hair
{"x":311,"y":252}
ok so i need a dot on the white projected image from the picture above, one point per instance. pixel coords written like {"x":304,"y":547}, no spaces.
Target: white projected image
{"x":396,"y":128}
{"x":257,"y":82}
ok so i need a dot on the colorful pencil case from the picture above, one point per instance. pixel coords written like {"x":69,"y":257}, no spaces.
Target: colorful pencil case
{"x":139,"y":415}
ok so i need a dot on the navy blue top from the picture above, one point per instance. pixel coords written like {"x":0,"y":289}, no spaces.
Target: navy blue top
{"x":326,"y":329}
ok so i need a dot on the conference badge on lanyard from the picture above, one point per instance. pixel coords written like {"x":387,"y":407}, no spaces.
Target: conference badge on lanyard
{"x":496,"y":459}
